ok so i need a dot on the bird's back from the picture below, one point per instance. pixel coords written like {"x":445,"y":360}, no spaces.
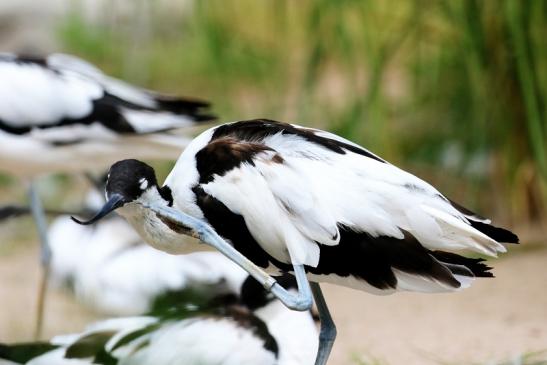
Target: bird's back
{"x":300,"y":195}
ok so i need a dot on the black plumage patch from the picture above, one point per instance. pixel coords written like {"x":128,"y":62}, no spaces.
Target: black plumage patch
{"x":246,"y":319}
{"x":166,"y":194}
{"x":198,"y":110}
{"x":24,"y":352}
{"x":258,"y":129}
{"x":194,"y":109}
{"x":254,"y":296}
{"x":104,"y":111}
{"x":358,"y":254}
{"x":475,"y":266}
{"x":125,"y":178}
{"x":495,"y":233}
{"x":65,"y":143}
{"x":22,"y":59}
{"x":374,"y":258}
{"x":88,"y":346}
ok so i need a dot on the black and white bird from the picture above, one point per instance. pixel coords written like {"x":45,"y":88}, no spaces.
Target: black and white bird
{"x":61,"y":114}
{"x":249,"y":330}
{"x":293,"y":198}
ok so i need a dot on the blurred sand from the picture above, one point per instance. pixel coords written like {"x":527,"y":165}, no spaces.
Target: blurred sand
{"x":494,"y":320}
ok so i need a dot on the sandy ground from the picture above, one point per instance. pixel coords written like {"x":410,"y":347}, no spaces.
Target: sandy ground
{"x":496,"y":319}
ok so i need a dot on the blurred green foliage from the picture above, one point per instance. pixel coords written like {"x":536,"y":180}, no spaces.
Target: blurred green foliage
{"x":451,"y":90}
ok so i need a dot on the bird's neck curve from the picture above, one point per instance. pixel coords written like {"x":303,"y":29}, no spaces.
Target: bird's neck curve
{"x":154,"y":231}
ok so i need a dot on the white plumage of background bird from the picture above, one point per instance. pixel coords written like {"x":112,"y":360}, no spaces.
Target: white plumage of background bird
{"x":61,"y":114}
{"x":257,"y":329}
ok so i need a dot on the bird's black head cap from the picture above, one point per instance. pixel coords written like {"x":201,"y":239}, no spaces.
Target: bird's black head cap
{"x":130,"y":178}
{"x":127,"y":180}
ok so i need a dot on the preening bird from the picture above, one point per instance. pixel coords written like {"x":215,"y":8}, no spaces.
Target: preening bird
{"x":61,"y":114}
{"x":249,"y":330}
{"x":295,"y":199}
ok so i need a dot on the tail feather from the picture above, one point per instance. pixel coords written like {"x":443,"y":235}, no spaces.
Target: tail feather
{"x":496,"y":233}
{"x":463,"y":266}
{"x":197,"y":110}
{"x":461,"y":235}
{"x":483,"y":225}
{"x":458,"y":270}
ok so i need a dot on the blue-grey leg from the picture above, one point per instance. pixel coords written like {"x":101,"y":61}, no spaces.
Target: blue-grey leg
{"x":189,"y":225}
{"x":327,"y":334}
{"x":45,"y":254}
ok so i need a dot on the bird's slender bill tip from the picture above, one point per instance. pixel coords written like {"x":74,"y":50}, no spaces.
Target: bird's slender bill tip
{"x":112,"y":204}
{"x":74,"y":219}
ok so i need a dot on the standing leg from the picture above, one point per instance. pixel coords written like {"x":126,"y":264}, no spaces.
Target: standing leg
{"x":327,"y":334}
{"x":45,"y":254}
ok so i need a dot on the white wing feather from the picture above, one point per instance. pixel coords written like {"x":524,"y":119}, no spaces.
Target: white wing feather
{"x":123,"y":90}
{"x":304,"y":198}
{"x":246,"y":192}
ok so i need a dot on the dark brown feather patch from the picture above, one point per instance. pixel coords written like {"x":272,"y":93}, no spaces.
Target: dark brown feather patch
{"x":224,"y":154}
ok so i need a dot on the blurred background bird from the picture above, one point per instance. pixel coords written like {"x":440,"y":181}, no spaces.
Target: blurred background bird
{"x":248,"y":327}
{"x":59,"y":113}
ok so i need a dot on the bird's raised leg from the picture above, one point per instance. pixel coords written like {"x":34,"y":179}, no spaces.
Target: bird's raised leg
{"x":45,"y":254}
{"x":327,"y":334}
{"x":301,"y":301}
{"x":189,"y":225}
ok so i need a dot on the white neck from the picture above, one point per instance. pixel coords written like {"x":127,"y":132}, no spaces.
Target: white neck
{"x":152,"y":230}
